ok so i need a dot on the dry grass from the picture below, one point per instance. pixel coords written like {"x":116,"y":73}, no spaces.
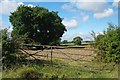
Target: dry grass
{"x":73,"y":63}
{"x":68,"y":54}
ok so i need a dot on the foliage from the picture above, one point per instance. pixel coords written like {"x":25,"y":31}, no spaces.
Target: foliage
{"x":38,"y":23}
{"x":55,"y":42}
{"x":8,"y":49}
{"x":31,"y":73}
{"x":77,"y":40}
{"x":64,"y":41}
{"x":62,"y":69}
{"x":108,"y":45}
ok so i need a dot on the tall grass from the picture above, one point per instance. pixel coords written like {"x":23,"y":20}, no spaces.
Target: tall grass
{"x":59,"y":69}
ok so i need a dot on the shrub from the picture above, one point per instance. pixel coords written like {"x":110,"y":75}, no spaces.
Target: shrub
{"x":8,"y":49}
{"x":30,"y":73}
{"x":108,"y":45}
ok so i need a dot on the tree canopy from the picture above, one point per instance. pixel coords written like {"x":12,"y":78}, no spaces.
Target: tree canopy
{"x":37,"y":23}
{"x":77,"y":40}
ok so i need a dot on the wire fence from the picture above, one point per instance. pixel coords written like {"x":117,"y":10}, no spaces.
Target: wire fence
{"x":51,"y":50}
{"x":64,"y":53}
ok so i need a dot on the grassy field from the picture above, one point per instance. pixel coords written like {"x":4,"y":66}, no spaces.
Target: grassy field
{"x":72,"y":44}
{"x":71,"y":66}
{"x":68,"y":44}
{"x":60,"y":69}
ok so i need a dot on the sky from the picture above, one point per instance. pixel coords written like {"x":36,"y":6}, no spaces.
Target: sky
{"x":79,"y":16}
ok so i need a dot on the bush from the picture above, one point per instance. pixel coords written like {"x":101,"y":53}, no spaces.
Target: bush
{"x":31,"y":73}
{"x":8,"y":49}
{"x":108,"y":45}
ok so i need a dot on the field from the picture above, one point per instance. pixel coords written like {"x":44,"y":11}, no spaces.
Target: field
{"x":66,"y":63}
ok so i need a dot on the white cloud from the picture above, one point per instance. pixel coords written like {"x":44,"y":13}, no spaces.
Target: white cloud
{"x":84,"y":36}
{"x":105,"y":13}
{"x":100,"y":8}
{"x":70,"y":23}
{"x":30,"y":5}
{"x":20,"y":3}
{"x":91,"y":6}
{"x":99,"y":33}
{"x":87,"y":0}
{"x":68,"y":7}
{"x":10,"y":29}
{"x":7,"y":6}
{"x":2,"y":25}
{"x":84,"y":17}
{"x":115,"y":3}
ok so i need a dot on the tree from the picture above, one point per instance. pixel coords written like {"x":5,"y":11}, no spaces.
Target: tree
{"x":56,"y":42}
{"x":77,"y":40}
{"x":37,"y":23}
{"x":64,"y":41}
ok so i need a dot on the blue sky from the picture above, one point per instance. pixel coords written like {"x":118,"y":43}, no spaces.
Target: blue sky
{"x":80,"y":18}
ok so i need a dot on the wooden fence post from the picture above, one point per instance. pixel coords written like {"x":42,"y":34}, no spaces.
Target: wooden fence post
{"x":47,"y":56}
{"x":51,"y":54}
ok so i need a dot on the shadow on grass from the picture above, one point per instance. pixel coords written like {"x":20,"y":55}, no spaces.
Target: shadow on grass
{"x":19,"y":62}
{"x":41,"y":65}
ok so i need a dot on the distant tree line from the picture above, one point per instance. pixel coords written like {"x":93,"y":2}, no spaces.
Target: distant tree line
{"x":76,"y":40}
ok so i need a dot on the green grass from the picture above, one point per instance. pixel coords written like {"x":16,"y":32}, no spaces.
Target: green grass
{"x":68,"y":44}
{"x":72,"y":44}
{"x":61,"y":68}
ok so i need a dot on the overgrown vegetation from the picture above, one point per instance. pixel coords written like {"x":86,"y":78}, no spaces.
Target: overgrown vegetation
{"x":108,"y":44}
{"x":38,"y":25}
{"x":8,"y":49}
{"x":61,"y":69}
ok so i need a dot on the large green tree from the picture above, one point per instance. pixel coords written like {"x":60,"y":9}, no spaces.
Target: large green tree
{"x":37,"y":23}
